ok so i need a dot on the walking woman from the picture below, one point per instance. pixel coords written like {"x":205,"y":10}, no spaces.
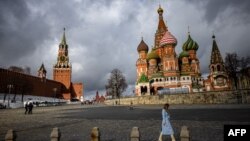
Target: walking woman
{"x":166,"y":127}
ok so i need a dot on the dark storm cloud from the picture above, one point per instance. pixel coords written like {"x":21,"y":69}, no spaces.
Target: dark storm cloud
{"x":104,"y":34}
{"x":230,"y":21}
{"x":108,"y":43}
{"x":20,"y":33}
{"x":213,"y":9}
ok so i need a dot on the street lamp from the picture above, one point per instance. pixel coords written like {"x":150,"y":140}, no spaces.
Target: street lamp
{"x":10,"y":86}
{"x":54,"y":89}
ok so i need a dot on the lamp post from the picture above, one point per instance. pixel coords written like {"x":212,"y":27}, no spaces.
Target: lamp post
{"x":10,"y":86}
{"x":116,"y":92}
{"x":54,"y":89}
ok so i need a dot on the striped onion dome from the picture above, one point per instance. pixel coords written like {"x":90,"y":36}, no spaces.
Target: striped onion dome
{"x":190,"y":44}
{"x":167,"y":39}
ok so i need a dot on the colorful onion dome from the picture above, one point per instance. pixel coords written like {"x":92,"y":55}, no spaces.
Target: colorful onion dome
{"x":152,"y":55}
{"x":190,"y":44}
{"x":167,"y":39}
{"x":142,"y":46}
{"x":184,"y":54}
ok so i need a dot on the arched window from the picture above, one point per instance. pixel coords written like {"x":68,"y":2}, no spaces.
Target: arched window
{"x":218,"y":67}
{"x":212,"y":68}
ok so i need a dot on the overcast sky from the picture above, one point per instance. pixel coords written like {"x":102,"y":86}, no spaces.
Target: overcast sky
{"x":104,"y":34}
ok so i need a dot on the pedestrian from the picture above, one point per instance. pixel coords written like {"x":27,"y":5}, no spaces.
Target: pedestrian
{"x":30,"y":107}
{"x":166,"y":127}
{"x":131,"y":106}
{"x":26,"y":107}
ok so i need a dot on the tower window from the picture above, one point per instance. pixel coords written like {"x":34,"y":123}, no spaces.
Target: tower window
{"x":218,"y":67}
{"x":212,"y":68}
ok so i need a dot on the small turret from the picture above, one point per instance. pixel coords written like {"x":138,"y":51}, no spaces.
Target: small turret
{"x":42,"y":73}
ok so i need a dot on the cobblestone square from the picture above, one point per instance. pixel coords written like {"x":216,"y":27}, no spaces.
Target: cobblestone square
{"x":115,"y":122}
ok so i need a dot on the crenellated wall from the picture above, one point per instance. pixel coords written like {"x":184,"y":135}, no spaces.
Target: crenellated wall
{"x":222,"y":97}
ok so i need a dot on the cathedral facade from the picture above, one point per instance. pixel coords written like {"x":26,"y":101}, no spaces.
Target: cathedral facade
{"x":161,"y":70}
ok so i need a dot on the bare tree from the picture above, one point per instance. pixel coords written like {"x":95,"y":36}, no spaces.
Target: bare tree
{"x":116,"y":84}
{"x":232,"y":66}
{"x":244,"y":65}
{"x":235,"y":66}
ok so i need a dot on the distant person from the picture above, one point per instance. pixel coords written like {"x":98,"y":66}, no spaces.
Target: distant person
{"x":26,"y":106}
{"x":166,"y":128}
{"x":30,"y":107}
{"x":131,"y":106}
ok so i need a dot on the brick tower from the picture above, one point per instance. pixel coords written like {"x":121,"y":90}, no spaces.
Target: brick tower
{"x":218,"y":77}
{"x":62,"y":68}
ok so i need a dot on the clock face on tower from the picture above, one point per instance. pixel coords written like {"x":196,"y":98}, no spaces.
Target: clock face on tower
{"x":62,"y":58}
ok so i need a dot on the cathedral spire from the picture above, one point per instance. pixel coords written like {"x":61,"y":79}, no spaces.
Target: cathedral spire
{"x":63,"y":37}
{"x":161,"y":24}
{"x":215,"y":55}
{"x":63,"y":58}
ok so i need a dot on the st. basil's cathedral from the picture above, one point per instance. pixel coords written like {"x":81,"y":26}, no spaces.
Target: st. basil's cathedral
{"x":161,"y":69}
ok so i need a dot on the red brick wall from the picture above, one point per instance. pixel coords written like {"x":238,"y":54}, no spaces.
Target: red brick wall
{"x":63,"y":75}
{"x":77,"y":90}
{"x":28,"y":84}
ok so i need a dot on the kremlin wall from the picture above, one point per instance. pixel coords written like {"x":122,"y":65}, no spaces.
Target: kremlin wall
{"x":28,"y":84}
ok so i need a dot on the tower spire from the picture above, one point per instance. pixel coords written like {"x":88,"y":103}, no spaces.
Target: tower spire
{"x":213,"y":36}
{"x":215,"y":55}
{"x":64,"y":37}
{"x":161,"y":24}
